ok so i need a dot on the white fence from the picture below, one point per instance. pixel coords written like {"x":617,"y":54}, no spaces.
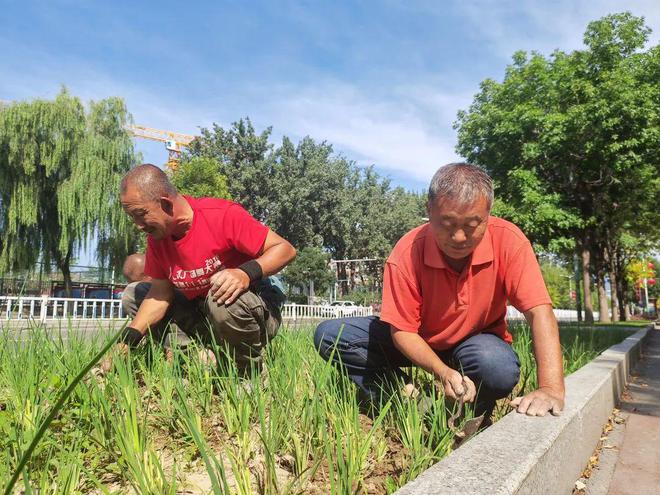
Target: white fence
{"x":565,"y":315}
{"x":54,"y":308}
{"x":315,"y":312}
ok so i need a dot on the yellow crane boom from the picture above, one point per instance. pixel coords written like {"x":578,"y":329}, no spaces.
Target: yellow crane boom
{"x":174,"y":141}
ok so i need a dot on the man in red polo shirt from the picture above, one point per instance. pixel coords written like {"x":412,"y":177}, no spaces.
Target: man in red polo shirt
{"x":445,"y":291}
{"x":210,"y":264}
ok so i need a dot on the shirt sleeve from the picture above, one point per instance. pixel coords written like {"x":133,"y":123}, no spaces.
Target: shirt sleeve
{"x":244,"y":233}
{"x":525,"y":287}
{"x":402,"y":301}
{"x":153,"y":265}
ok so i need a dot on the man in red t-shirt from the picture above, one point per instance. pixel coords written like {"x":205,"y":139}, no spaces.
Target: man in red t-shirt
{"x":133,"y":271}
{"x":445,"y":291}
{"x":210,"y":264}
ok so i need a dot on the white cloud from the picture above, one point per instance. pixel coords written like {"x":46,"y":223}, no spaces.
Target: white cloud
{"x":408,"y":131}
{"x":510,"y":25}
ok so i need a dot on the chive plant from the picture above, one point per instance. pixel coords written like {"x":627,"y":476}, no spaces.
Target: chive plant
{"x":151,"y":424}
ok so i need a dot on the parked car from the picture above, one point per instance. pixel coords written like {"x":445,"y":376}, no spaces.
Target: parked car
{"x":340,"y":309}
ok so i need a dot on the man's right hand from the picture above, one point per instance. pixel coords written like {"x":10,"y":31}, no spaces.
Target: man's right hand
{"x":456,"y":385}
{"x":420,"y":354}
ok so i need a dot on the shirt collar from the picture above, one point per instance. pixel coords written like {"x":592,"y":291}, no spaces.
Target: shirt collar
{"x":433,"y":256}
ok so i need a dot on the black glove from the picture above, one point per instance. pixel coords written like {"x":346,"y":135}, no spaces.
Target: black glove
{"x":131,"y":336}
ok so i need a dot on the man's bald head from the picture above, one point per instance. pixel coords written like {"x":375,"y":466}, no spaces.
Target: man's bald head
{"x":134,"y":268}
{"x":151,"y":182}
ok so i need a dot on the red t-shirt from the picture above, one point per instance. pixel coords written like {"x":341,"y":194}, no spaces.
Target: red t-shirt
{"x":222,"y":235}
{"x":424,"y":295}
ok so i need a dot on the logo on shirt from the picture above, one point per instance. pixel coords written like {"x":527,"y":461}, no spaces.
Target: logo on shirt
{"x":198,"y":278}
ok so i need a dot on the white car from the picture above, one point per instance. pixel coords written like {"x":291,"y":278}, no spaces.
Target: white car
{"x":339,"y":309}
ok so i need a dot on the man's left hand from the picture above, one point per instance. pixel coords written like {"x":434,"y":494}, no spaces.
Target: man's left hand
{"x":539,"y":403}
{"x":227,"y":285}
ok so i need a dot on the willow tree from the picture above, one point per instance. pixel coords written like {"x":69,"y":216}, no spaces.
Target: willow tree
{"x":60,"y":167}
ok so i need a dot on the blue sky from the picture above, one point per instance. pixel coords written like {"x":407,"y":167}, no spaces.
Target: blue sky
{"x":381,"y":81}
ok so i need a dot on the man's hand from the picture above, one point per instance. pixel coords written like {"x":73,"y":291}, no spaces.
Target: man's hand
{"x":539,"y":402}
{"x":227,"y":285}
{"x":456,"y":386}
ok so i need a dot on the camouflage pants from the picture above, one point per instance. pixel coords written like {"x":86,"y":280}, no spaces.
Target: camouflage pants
{"x":245,"y":326}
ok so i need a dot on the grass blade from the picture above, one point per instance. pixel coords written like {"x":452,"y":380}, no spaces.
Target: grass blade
{"x":55,"y":410}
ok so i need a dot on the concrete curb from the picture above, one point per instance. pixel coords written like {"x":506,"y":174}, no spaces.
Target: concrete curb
{"x":525,"y":455}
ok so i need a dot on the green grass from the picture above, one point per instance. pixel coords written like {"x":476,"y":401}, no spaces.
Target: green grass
{"x":625,"y":326}
{"x":631,"y":324}
{"x":154,"y":427}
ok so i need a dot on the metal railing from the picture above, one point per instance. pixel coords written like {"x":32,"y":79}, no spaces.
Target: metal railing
{"x":316,"y":312}
{"x":563,"y":315}
{"x":54,"y":308}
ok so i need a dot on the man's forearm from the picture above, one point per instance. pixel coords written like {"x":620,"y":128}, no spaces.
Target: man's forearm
{"x":419,"y":352}
{"x":547,"y":348}
{"x":276,"y":258}
{"x":151,"y":312}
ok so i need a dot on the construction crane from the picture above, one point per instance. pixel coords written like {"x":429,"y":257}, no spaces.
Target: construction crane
{"x":174,"y":141}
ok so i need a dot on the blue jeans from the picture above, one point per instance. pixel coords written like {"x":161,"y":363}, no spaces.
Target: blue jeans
{"x":364,"y":350}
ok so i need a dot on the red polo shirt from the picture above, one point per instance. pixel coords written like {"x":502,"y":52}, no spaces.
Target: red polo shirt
{"x":422,"y":294}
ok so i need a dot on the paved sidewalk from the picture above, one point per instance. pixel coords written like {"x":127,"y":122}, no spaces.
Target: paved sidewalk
{"x":637,"y":470}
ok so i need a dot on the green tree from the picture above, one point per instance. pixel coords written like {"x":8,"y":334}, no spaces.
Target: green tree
{"x":60,"y":167}
{"x":200,"y":178}
{"x":307,"y":193}
{"x":310,"y":195}
{"x":311,"y":265}
{"x":572,"y":142}
{"x":560,"y":283}
{"x":246,"y":159}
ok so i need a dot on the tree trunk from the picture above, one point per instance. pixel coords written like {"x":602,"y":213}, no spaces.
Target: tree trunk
{"x":343,"y":278}
{"x":600,"y":262}
{"x":63,"y":263}
{"x":578,"y":291}
{"x":621,"y":288}
{"x":353,"y":275}
{"x":614,"y":294}
{"x":626,"y":312}
{"x":603,"y":309}
{"x":586,"y":281}
{"x":66,"y":272}
{"x":614,"y":288}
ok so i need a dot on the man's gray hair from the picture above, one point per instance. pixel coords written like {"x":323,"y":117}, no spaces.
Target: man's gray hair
{"x":150,"y":180}
{"x":461,"y":182}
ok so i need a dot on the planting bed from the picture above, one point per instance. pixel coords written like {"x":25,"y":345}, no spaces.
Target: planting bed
{"x":153,"y":426}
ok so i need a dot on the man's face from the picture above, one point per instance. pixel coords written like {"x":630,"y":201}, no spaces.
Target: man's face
{"x":457,"y":228}
{"x":151,"y":217}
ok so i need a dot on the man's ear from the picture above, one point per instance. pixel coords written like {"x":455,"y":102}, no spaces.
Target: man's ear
{"x":167,"y":205}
